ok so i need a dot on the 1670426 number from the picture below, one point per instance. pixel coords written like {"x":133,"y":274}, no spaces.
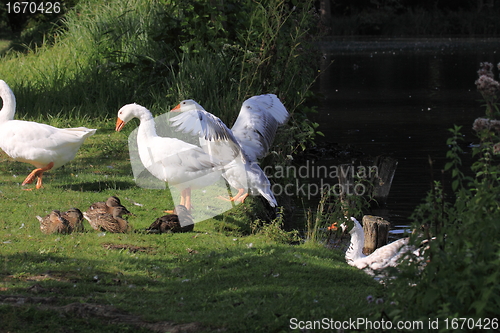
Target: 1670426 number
{"x":30,"y":7}
{"x":472,"y":324}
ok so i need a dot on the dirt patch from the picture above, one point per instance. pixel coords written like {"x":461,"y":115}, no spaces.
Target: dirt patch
{"x":130,"y":248}
{"x":106,"y":313}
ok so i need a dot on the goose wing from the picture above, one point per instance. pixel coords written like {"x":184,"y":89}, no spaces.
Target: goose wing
{"x":257,"y":122}
{"x":216,"y":138}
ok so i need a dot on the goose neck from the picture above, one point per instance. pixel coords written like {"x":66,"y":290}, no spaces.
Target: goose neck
{"x":147,"y":126}
{"x":355,"y":250}
{"x":9,"y":104}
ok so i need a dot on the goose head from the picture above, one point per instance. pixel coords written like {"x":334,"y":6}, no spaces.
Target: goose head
{"x":187,"y":105}
{"x":129,"y":112}
{"x":357,"y":226}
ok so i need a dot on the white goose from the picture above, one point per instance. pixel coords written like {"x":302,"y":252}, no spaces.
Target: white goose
{"x":46,"y":147}
{"x":239,"y":148}
{"x":385,"y":256}
{"x":179,"y":163}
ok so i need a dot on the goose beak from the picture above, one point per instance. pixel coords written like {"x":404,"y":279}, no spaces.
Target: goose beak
{"x":119,"y":124}
{"x":177,"y":108}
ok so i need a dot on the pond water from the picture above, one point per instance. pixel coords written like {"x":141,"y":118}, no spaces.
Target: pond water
{"x":399,"y":97}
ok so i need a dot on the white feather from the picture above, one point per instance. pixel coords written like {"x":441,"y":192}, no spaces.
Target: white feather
{"x":35,"y":143}
{"x":239,"y":147}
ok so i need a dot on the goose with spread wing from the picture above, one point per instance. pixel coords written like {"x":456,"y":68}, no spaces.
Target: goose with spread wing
{"x":239,"y":147}
{"x":177,"y":162}
{"x":45,"y":147}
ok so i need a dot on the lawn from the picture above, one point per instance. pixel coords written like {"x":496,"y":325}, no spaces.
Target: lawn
{"x":220,"y":276}
{"x":237,"y":271}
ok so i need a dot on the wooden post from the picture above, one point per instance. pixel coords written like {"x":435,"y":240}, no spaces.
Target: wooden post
{"x":382,"y":174}
{"x":376,"y":231}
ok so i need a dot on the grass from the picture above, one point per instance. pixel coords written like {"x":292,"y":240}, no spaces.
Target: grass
{"x":216,"y":276}
{"x":235,"y":271}
{"x":4,"y":44}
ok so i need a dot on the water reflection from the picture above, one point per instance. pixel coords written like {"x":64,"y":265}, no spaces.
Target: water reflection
{"x":400,"y":97}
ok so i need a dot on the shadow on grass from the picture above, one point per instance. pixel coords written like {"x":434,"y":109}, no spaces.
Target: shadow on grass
{"x":252,"y":288}
{"x":98,"y":186}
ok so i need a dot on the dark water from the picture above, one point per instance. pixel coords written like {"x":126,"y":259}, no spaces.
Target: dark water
{"x":399,"y":97}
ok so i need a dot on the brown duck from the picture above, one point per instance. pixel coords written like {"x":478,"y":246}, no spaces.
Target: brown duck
{"x":101,"y":207}
{"x":75,"y":218}
{"x":54,"y":223}
{"x":180,"y":221}
{"x":110,"y":222}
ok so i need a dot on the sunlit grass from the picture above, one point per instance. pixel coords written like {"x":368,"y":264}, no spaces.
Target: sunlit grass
{"x":4,"y":45}
{"x":221,"y":275}
{"x":218,"y":275}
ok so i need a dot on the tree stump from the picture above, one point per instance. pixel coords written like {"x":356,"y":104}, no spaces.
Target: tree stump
{"x":382,"y":178}
{"x":376,"y":231}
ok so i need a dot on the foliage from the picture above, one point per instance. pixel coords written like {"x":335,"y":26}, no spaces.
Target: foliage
{"x":133,"y":51}
{"x":274,"y":229}
{"x":31,"y":28}
{"x":455,"y":275}
{"x":324,"y":225}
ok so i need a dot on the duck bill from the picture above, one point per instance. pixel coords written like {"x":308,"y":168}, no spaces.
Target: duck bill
{"x":177,"y":108}
{"x":119,"y":124}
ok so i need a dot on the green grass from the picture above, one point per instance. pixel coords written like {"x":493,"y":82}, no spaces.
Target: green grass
{"x":217,"y":275}
{"x":228,"y":273}
{"x":4,"y":44}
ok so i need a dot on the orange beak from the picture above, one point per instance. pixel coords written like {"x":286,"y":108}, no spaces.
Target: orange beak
{"x":333,"y":226}
{"x":119,"y":124}
{"x":177,"y":108}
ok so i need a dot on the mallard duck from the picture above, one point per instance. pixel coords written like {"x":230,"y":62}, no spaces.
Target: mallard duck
{"x":104,"y":207}
{"x":180,"y":221}
{"x":239,"y":147}
{"x":171,"y":160}
{"x":54,"y":223}
{"x":110,"y":222}
{"x":46,"y":147}
{"x":75,"y":218}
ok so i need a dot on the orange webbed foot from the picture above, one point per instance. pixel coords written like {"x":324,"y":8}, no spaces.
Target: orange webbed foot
{"x":37,"y":173}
